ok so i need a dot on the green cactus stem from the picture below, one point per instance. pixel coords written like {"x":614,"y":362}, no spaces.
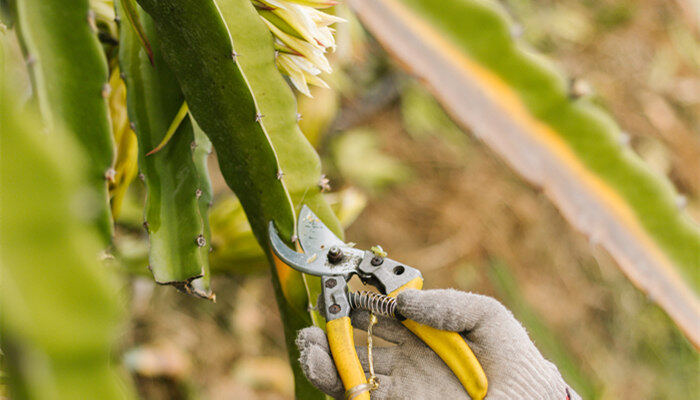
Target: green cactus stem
{"x":69,"y":93}
{"x":177,"y":225}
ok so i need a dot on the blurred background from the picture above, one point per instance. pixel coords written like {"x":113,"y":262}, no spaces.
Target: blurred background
{"x":402,"y":175}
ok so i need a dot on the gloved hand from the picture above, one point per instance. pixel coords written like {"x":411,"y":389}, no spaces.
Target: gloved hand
{"x":514,"y":367}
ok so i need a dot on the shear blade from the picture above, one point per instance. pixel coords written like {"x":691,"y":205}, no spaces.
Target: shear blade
{"x":315,"y":239}
{"x":314,"y":235}
{"x":290,"y":257}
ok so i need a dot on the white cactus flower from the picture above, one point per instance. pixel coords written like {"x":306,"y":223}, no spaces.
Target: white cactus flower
{"x":303,"y":36}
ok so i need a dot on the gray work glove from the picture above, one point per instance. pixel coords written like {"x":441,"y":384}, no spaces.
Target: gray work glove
{"x":514,"y":367}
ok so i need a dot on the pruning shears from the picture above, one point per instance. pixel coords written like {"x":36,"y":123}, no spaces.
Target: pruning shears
{"x":327,"y":256}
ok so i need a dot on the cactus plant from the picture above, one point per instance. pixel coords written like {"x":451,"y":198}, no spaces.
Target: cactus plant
{"x":60,"y":308}
{"x":300,"y":167}
{"x":69,"y":93}
{"x":176,"y":223}
{"x":228,"y":79}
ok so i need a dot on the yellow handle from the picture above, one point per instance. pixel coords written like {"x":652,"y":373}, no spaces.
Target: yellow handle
{"x":451,"y":348}
{"x":343,"y":349}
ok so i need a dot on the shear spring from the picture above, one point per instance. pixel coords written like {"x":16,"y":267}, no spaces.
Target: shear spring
{"x":373,"y":302}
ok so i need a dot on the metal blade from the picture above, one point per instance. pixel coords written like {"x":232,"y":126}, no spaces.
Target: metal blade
{"x":289,"y":256}
{"x":314,"y":263}
{"x":314,"y":235}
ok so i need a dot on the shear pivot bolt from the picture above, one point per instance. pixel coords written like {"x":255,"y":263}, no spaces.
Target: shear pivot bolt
{"x":334,"y":309}
{"x":376,"y":261}
{"x":335,"y":255}
{"x":330,"y":283}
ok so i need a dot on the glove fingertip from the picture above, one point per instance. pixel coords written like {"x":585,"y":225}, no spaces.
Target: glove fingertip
{"x":409,"y":300}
